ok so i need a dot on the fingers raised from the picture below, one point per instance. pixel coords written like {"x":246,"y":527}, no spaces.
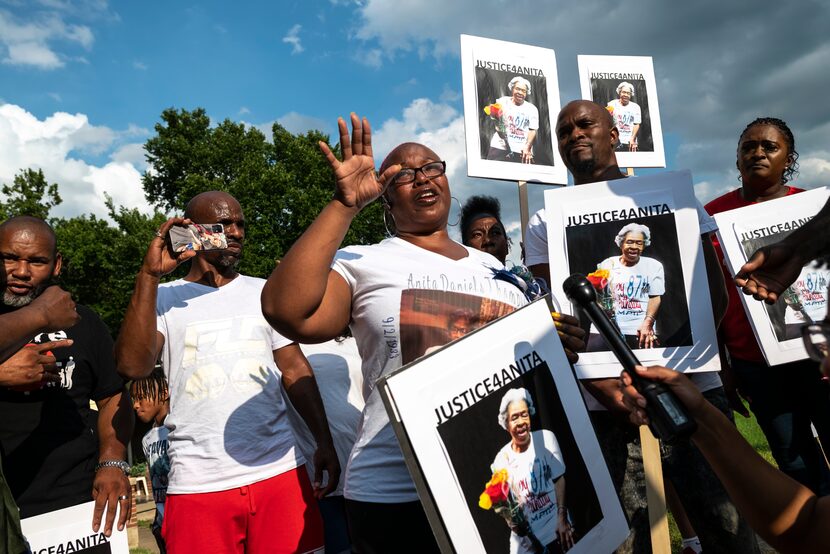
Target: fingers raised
{"x":367,"y":138}
{"x":357,"y":135}
{"x":345,"y":142}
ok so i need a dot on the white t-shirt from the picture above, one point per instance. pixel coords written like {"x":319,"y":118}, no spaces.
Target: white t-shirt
{"x":518,"y":120}
{"x":339,"y":376}
{"x":154,"y":443}
{"x":633,"y":286}
{"x":625,"y":117}
{"x":377,"y":275}
{"x":536,"y":252}
{"x":811,"y":287}
{"x":227,"y":421}
{"x":532,"y":475}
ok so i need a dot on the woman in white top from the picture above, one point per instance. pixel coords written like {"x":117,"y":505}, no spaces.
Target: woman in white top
{"x":317,"y":290}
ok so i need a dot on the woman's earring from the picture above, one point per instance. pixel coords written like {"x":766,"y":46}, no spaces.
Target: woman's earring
{"x":459,"y":212}
{"x":389,"y":233}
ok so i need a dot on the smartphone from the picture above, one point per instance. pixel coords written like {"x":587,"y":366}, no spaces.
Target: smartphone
{"x":210,"y":236}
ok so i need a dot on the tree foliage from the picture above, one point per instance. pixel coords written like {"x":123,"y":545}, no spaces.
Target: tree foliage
{"x":282,"y":185}
{"x":29,"y":194}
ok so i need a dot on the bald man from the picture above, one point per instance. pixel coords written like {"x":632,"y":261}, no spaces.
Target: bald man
{"x":587,"y":136}
{"x":237,"y":482}
{"x":57,"y":452}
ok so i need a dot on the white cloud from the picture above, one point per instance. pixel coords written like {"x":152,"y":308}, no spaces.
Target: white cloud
{"x":50,"y":145}
{"x":141,"y":66}
{"x":372,"y":57}
{"x":293,"y":38}
{"x":293,"y":122}
{"x":243,"y":110}
{"x":31,"y":43}
{"x":55,"y":96}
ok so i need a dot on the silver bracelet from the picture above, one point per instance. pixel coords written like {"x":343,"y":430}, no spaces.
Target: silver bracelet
{"x":120,"y":464}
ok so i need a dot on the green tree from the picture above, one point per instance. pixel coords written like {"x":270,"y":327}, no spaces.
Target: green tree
{"x":101,"y":260}
{"x":282,"y":185}
{"x":29,"y":194}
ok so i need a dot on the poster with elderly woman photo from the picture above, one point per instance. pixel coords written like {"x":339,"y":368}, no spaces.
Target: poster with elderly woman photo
{"x":638,"y":241}
{"x":511,"y":99}
{"x":741,"y":232}
{"x":626,"y":86}
{"x":498,"y":440}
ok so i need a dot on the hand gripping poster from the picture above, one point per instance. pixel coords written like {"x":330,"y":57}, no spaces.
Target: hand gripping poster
{"x":638,"y":242}
{"x":626,"y":86}
{"x":70,"y":530}
{"x":777,"y":327}
{"x":497,"y":438}
{"x":511,"y":100}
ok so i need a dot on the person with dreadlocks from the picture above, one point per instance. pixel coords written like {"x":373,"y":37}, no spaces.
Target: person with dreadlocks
{"x":151,"y":402}
{"x":785,"y":398}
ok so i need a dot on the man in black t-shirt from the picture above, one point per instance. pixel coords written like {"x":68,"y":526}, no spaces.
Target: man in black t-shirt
{"x":51,"y":441}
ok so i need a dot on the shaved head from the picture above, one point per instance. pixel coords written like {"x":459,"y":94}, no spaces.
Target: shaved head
{"x":398,"y":154}
{"x":32,"y":225}
{"x":205,"y":201}
{"x":574,"y":105}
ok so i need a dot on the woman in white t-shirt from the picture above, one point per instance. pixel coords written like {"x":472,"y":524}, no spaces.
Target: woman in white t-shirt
{"x":536,"y":476}
{"x":317,"y":290}
{"x":636,"y":284}
{"x":517,"y":127}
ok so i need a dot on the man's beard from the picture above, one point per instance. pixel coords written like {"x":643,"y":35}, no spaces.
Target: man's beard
{"x":584,"y":166}
{"x":18,"y":301}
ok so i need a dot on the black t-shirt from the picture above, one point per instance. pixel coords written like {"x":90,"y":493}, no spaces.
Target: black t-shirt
{"x":49,"y":437}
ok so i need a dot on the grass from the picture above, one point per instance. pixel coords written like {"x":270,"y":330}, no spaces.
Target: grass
{"x":140,"y":551}
{"x":148,"y":523}
{"x":750,"y":430}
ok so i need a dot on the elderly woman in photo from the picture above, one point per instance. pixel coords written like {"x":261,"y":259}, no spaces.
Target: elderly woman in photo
{"x":627,"y":117}
{"x":516,"y":126}
{"x":636,"y":283}
{"x":536,"y":476}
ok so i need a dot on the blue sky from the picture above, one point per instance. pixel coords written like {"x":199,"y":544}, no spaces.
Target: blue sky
{"x":83,"y":82}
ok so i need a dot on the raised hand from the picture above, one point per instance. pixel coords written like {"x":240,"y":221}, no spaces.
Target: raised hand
{"x":57,"y":308}
{"x":769,"y":272}
{"x":357,"y":182}
{"x":160,"y":259}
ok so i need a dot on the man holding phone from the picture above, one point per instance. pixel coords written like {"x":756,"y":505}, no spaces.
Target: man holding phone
{"x":57,"y":451}
{"x":232,"y":451}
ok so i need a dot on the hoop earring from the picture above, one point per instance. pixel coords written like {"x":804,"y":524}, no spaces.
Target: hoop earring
{"x":459,"y":212}
{"x":389,"y":233}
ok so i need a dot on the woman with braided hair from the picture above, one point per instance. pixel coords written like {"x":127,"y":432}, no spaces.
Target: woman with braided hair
{"x":785,"y":398}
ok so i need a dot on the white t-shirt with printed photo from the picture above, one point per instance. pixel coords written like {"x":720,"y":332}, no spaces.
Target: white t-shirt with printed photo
{"x":227,"y":421}
{"x":626,"y":117}
{"x":633,"y":286}
{"x":811,"y":287}
{"x":518,"y":120}
{"x":532,"y":475}
{"x":377,"y":275}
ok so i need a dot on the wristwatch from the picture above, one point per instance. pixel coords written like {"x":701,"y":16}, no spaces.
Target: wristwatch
{"x":120,"y":464}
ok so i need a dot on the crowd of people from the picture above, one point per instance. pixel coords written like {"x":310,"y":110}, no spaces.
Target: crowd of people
{"x":261,"y":392}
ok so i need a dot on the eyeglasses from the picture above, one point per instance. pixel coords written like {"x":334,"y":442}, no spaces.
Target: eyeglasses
{"x":816,"y":338}
{"x":430,"y":171}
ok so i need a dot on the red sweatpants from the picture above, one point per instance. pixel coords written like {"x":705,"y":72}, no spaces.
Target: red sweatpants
{"x":276,"y":515}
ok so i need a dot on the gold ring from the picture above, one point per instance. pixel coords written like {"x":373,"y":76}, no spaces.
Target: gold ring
{"x":158,"y":233}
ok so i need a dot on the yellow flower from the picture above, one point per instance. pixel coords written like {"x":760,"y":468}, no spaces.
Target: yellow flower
{"x":600,"y":273}
{"x":484,"y":501}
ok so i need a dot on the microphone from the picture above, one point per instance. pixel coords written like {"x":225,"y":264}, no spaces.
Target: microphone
{"x":668,"y":418}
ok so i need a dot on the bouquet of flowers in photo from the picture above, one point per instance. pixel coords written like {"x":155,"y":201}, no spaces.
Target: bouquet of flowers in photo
{"x":498,"y":497}
{"x":793,"y":299}
{"x":601,"y":280}
{"x":496,"y":114}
